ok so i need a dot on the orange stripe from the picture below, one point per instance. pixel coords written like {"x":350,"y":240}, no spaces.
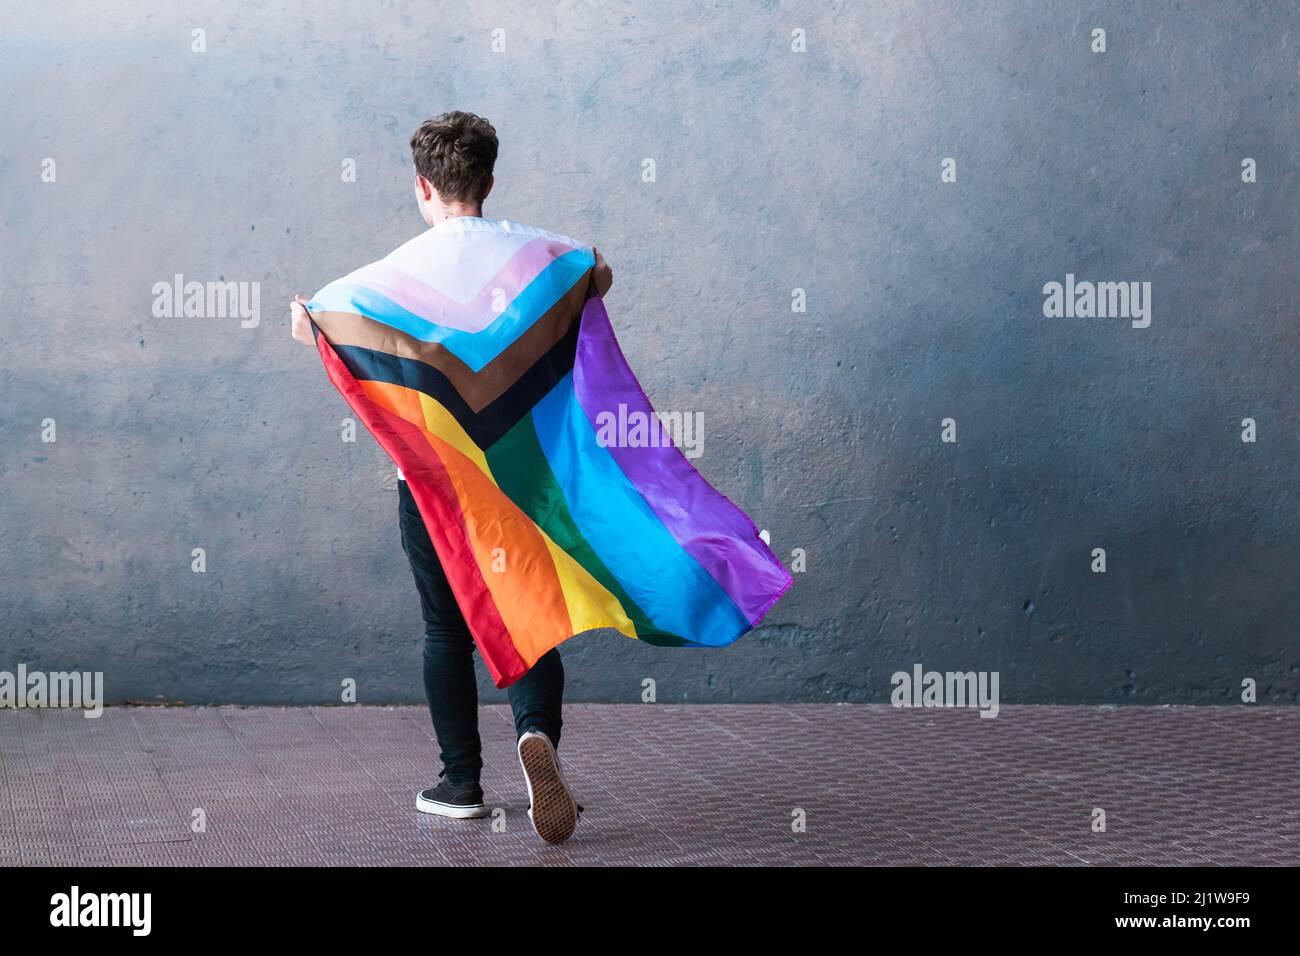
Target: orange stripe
{"x":528,"y":592}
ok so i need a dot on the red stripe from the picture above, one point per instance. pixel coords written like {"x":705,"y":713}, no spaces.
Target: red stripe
{"x":431,"y":487}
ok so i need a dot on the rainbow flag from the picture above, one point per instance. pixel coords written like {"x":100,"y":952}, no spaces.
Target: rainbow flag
{"x":481,"y":359}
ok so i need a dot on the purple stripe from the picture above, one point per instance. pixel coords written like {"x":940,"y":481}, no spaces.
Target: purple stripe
{"x":712,"y":530}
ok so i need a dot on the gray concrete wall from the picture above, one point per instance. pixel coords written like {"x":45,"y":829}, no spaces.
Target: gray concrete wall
{"x":776,"y":170}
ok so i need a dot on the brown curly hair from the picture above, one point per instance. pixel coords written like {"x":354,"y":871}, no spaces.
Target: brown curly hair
{"x":456,"y":153}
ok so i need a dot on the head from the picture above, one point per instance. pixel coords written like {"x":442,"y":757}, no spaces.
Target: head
{"x":454,"y":155}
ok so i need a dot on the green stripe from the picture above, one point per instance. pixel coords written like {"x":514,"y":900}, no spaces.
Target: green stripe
{"x":522,"y":472}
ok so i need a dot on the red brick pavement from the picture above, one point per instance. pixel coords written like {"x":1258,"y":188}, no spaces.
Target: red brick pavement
{"x":664,"y":785}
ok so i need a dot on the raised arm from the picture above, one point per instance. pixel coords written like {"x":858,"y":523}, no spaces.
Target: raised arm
{"x":301,"y":326}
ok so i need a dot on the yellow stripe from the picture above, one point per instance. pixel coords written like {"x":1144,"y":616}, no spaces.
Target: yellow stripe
{"x":443,"y":424}
{"x":590,"y":603}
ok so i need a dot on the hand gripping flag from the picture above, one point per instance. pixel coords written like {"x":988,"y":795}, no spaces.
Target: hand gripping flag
{"x":480,"y":357}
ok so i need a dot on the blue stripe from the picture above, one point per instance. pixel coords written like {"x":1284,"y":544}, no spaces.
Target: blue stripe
{"x":667,"y":583}
{"x":475,"y":349}
{"x":340,"y":296}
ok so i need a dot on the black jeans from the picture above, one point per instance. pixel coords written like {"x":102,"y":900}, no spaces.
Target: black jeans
{"x":449,"y":682}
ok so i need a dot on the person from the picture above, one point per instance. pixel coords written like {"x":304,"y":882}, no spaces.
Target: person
{"x":454,"y":156}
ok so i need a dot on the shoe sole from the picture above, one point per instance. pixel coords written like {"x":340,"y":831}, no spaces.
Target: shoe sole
{"x":450,"y":809}
{"x":554,"y":811}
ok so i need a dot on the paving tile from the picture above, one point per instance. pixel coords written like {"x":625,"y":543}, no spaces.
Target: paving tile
{"x":664,"y":785}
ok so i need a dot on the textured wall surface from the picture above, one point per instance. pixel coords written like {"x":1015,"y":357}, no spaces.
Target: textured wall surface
{"x":775,"y":170}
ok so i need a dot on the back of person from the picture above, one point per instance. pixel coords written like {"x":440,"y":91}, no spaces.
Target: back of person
{"x":480,"y":357}
{"x":477,"y":316}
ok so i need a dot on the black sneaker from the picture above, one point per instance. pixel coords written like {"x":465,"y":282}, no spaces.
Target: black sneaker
{"x":460,"y":800}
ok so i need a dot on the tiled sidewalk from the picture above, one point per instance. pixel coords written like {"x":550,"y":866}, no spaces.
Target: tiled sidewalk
{"x":662,"y":784}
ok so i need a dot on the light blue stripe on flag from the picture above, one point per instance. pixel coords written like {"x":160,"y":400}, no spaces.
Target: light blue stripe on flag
{"x":475,"y":349}
{"x":663,"y":579}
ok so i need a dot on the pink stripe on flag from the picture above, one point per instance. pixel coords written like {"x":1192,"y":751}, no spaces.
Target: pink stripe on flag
{"x":477,"y":314}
